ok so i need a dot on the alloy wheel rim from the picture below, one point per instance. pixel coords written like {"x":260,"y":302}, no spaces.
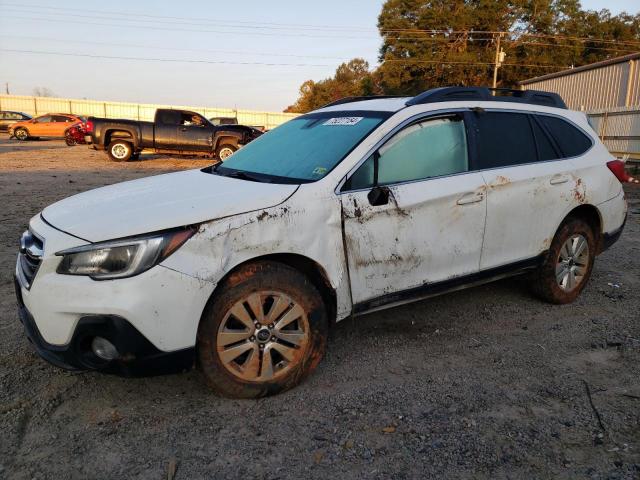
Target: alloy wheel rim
{"x":21,"y":134}
{"x":225,"y":153}
{"x":263,"y":336}
{"x":573,"y":261}
{"x":119,"y":151}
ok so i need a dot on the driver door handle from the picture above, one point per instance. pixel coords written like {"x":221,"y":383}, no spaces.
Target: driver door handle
{"x":471,"y":197}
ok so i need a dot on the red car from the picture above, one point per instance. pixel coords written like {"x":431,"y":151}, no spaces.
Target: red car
{"x":75,"y":134}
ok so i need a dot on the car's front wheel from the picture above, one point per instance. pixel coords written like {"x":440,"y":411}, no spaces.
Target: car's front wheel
{"x":263,"y":333}
{"x":120,"y":151}
{"x":21,"y":134}
{"x":568,"y":265}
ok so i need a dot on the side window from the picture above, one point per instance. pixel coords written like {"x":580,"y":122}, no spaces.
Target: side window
{"x":45,"y":119}
{"x":504,"y":139}
{"x":571,"y":141}
{"x":546,"y":149}
{"x":169,"y":117}
{"x":430,"y":148}
{"x":60,"y":119}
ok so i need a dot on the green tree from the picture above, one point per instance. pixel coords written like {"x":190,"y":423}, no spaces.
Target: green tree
{"x":351,"y":79}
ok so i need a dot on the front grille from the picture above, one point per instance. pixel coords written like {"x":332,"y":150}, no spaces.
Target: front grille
{"x":30,"y":256}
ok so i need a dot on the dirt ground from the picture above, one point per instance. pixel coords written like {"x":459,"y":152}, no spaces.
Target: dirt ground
{"x":483,"y":383}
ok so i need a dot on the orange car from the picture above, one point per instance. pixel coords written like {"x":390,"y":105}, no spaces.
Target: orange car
{"x":49,"y":125}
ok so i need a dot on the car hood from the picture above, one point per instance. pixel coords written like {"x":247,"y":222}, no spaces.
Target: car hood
{"x":160,"y":202}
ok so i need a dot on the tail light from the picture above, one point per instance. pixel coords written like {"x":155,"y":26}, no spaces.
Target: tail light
{"x":617,"y":167}
{"x":88,"y":126}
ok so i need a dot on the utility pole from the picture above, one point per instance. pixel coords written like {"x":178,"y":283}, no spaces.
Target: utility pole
{"x":498,"y":60}
{"x":6,"y":87}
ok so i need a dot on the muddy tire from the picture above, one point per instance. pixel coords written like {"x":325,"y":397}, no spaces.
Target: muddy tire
{"x":263,"y":332}
{"x":21,"y":134}
{"x":225,"y":151}
{"x":568,"y":265}
{"x":120,"y":150}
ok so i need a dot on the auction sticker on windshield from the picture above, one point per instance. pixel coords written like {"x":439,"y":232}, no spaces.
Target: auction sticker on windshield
{"x":344,"y":121}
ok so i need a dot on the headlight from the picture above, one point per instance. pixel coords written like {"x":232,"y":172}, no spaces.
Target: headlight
{"x":122,"y":258}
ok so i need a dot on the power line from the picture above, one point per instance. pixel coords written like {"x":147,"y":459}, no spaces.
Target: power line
{"x":274,"y":25}
{"x":444,"y":62}
{"x":215,"y":62}
{"x":209,"y":19}
{"x":130,"y":45}
{"x":171,"y":60}
{"x":189,"y":30}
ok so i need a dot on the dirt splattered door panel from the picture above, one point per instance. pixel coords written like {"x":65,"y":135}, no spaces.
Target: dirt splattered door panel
{"x":525,"y":205}
{"x":428,"y":231}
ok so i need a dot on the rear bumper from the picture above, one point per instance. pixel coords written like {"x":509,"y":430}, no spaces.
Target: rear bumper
{"x":138,"y":357}
{"x":608,"y":239}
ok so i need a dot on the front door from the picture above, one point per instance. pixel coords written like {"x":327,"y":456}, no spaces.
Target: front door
{"x":194,"y":133}
{"x":41,"y":126}
{"x":413,"y":213}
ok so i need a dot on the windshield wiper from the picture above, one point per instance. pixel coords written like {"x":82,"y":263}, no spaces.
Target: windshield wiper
{"x":240,"y":174}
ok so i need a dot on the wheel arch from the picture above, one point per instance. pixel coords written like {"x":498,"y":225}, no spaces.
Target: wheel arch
{"x":226,"y":138}
{"x":117,"y":133}
{"x":307,"y":266}
{"x":592,"y":216}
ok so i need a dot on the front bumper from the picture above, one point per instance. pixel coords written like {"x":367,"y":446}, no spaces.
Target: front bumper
{"x":138,"y":357}
{"x":151,"y":318}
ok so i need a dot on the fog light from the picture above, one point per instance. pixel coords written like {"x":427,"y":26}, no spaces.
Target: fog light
{"x":104,"y":349}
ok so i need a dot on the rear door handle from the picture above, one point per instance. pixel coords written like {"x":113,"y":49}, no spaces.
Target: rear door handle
{"x":471,"y":197}
{"x":558,"y":179}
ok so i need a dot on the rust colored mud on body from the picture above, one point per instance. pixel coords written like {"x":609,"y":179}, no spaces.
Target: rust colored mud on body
{"x":500,"y":181}
{"x":579,"y":191}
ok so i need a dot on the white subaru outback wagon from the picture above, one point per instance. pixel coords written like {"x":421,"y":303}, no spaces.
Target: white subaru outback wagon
{"x":361,"y":205}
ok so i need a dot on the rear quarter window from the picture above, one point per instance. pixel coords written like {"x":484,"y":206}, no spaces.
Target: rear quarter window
{"x":570,"y":139}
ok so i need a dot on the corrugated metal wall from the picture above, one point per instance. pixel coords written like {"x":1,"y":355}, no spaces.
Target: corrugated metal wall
{"x":133,"y":111}
{"x":610,"y":86}
{"x":619,"y":129}
{"x":610,"y":95}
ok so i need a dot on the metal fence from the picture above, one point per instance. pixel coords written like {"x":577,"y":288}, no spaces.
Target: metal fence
{"x":619,"y":129}
{"x":132,"y":111}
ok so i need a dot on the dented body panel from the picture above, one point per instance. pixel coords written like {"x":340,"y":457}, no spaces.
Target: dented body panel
{"x":429,"y":231}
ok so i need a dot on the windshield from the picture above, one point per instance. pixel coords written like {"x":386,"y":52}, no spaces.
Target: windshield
{"x":304,"y":149}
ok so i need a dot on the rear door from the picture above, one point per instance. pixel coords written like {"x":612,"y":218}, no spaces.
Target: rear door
{"x":529,"y":186}
{"x":60,"y":124}
{"x":428,"y":224}
{"x":166,"y":129}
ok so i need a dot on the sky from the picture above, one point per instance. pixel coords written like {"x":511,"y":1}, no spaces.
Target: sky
{"x":248,"y":55}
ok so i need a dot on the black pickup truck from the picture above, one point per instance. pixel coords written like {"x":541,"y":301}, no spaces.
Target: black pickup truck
{"x":173,"y":131}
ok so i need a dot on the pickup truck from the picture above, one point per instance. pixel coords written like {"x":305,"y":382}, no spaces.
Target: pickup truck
{"x":173,"y":132}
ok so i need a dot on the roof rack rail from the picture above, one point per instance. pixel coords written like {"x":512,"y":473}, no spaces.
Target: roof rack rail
{"x":361,"y":99}
{"x":450,"y":94}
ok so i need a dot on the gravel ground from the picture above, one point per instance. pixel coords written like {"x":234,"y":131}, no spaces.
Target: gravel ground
{"x":483,"y":383}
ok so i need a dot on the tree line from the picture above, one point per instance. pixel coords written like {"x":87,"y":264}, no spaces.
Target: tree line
{"x":432,"y":43}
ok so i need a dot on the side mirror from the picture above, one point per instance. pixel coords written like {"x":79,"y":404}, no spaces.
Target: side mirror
{"x":378,"y":196}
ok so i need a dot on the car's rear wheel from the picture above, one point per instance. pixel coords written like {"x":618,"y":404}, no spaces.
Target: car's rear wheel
{"x":568,"y":265}
{"x":263,"y":333}
{"x":21,"y":134}
{"x":120,"y":150}
{"x":225,"y":151}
